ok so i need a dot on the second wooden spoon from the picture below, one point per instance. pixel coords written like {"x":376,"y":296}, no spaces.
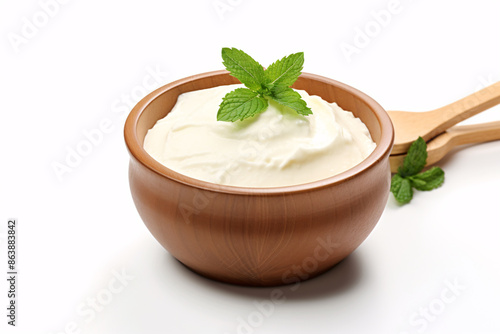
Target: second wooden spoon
{"x":438,"y":147}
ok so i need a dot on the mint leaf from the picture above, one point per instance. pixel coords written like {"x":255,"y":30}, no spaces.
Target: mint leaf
{"x":401,"y":189}
{"x":409,"y":176}
{"x":396,"y":183}
{"x":239,"y":104}
{"x":285,"y":71}
{"x":244,"y":68}
{"x":415,"y":158}
{"x":287,"y":97}
{"x":428,"y":180}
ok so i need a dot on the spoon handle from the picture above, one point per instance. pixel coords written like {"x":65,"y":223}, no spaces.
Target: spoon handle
{"x":451,"y":114}
{"x":461,"y":135}
{"x":438,"y":147}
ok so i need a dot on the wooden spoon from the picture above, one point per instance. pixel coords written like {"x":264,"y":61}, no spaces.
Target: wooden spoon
{"x":438,"y":147}
{"x":410,"y":125}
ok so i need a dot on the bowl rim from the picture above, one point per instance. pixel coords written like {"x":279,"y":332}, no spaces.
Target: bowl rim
{"x":137,"y":151}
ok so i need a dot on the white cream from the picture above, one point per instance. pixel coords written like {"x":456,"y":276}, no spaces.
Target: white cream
{"x":276,"y":148}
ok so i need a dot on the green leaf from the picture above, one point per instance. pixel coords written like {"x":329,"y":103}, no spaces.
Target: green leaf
{"x":409,"y":176}
{"x":415,"y":158}
{"x":285,"y":71}
{"x":287,"y":97}
{"x":244,"y":68}
{"x":239,"y":104}
{"x":428,"y":180}
{"x":271,"y":83}
{"x":396,"y":183}
{"x":401,"y":189}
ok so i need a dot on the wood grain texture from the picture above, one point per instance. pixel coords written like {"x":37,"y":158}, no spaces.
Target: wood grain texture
{"x":438,"y":147}
{"x":410,"y":125}
{"x":259,"y":236}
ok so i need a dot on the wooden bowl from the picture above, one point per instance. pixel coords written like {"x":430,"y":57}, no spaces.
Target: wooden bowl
{"x":259,"y":236}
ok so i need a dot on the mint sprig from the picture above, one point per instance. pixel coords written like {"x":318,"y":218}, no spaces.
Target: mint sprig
{"x":273,"y":83}
{"x":409,"y":175}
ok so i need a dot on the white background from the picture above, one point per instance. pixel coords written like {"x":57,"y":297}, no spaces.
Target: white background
{"x":79,"y":67}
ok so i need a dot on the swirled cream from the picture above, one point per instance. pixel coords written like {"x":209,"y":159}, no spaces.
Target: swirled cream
{"x":276,"y":148}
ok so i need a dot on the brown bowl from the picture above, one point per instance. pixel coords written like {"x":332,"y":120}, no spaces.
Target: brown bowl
{"x":259,"y":236}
